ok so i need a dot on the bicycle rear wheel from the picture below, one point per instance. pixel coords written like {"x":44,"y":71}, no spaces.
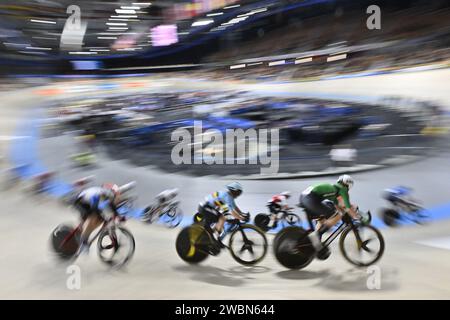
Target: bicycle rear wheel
{"x":248,"y":244}
{"x":362,"y":246}
{"x":65,"y":241}
{"x":191,"y":244}
{"x":292,"y":219}
{"x":116,"y":246}
{"x":390,"y":217}
{"x":292,"y":248}
{"x":262,"y":221}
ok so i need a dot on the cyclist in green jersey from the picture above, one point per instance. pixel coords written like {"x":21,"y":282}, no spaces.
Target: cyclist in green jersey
{"x":327,"y":203}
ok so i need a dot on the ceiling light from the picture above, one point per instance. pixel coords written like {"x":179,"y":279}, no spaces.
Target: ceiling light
{"x":202,"y":23}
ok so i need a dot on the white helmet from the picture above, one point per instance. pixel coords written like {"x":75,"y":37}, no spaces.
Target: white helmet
{"x":346,"y":180}
{"x":287,"y":194}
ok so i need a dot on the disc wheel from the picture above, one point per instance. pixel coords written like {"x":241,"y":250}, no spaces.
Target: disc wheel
{"x":191,"y":244}
{"x":262,"y":221}
{"x":65,"y":241}
{"x":292,"y":248}
{"x":390,"y":217}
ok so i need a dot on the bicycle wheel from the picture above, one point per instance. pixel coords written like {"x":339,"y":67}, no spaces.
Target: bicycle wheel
{"x":292,"y":219}
{"x":149,"y":216}
{"x":116,"y":246}
{"x":197,"y":218}
{"x":362,"y":246}
{"x":173,"y":217}
{"x":262,"y":221}
{"x":191,"y":244}
{"x":65,"y":241}
{"x":292,"y":248}
{"x":390,"y":217}
{"x":248,"y":244}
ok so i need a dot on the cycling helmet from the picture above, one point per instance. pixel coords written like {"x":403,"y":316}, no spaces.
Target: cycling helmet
{"x":114,"y":188}
{"x":235,"y":188}
{"x":346,"y":180}
{"x":287,"y":194}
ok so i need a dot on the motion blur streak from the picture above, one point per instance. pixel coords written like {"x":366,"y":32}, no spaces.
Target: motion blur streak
{"x":347,"y":88}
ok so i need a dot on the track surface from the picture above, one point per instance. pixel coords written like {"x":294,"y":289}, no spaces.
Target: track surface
{"x":409,"y":268}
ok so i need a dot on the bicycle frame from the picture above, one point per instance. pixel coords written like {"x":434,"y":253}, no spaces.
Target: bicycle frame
{"x":105,"y":224}
{"x":335,"y":234}
{"x":346,"y":223}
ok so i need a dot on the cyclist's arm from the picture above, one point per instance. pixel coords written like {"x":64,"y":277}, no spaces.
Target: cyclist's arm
{"x":111,"y":203}
{"x":236,"y":214}
{"x":345,"y":206}
{"x":113,"y":207}
{"x":235,"y":211}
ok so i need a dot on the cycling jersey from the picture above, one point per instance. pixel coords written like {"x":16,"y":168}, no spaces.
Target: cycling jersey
{"x":330,"y":192}
{"x":94,"y":195}
{"x":222,"y":201}
{"x":279,"y":200}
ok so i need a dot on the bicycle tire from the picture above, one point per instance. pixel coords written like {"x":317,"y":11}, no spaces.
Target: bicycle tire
{"x":70,"y":248}
{"x":293,"y":260}
{"x":390,"y":217}
{"x":241,"y":229}
{"x":175,"y":218}
{"x":183,"y":246}
{"x":360,"y":264}
{"x":292,"y":219}
{"x":109,"y":262}
{"x":262,"y":221}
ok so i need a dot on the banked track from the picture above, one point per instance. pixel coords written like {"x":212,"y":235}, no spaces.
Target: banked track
{"x":409,"y":269}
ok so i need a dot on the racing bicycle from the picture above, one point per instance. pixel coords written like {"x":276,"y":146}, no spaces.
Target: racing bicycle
{"x":170,"y":214}
{"x":284,"y":217}
{"x":247,"y":243}
{"x":402,"y":207}
{"x":115,"y":244}
{"x":360,"y":244}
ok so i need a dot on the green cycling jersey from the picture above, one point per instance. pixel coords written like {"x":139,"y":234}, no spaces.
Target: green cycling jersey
{"x":332,"y":192}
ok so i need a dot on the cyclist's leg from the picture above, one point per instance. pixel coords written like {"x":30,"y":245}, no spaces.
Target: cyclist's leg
{"x":91,"y":223}
{"x":314,"y":208}
{"x":212,"y":216}
{"x":274,"y":211}
{"x":91,"y":219}
{"x":329,"y":221}
{"x":220,"y":223}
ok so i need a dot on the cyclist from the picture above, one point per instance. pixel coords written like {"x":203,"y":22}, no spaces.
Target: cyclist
{"x":163,"y":199}
{"x":327,"y":203}
{"x":214,"y":208}
{"x":91,"y":203}
{"x":278,"y":206}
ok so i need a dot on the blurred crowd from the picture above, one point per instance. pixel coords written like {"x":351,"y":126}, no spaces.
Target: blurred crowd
{"x":407,"y":38}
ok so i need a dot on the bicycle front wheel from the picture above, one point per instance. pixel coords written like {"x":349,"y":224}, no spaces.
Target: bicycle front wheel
{"x":173,"y":217}
{"x":115,"y":246}
{"x":292,"y":219}
{"x":248,"y":244}
{"x":362,"y":246}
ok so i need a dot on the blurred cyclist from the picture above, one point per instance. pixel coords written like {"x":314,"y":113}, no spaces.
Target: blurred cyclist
{"x":217,"y":205}
{"x":278,"y":206}
{"x":328,"y":203}
{"x":90,"y":203}
{"x":164,"y":199}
